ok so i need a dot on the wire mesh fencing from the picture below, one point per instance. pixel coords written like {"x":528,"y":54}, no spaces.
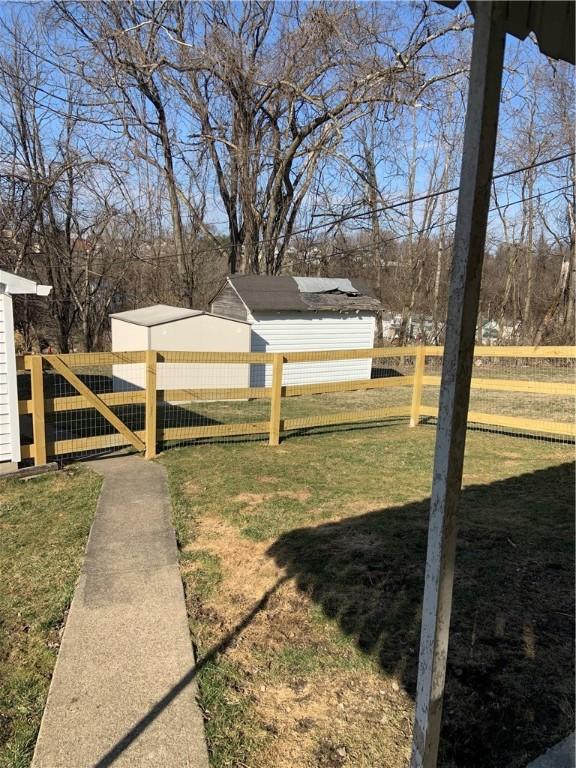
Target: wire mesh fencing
{"x":210,"y":396}
{"x":514,"y":390}
{"x":81,"y":404}
{"x":323,"y":390}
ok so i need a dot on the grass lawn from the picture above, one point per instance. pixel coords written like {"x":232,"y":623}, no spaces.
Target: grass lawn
{"x":307,"y":562}
{"x":44,"y":524}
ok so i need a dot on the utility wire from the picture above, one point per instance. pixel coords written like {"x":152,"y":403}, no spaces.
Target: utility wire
{"x":363,"y":248}
{"x":431,"y":195}
{"x":392,"y":206}
{"x":205,"y":251}
{"x":446,"y":224}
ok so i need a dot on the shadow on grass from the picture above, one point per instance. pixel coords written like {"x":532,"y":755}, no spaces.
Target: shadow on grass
{"x":210,"y":657}
{"x":432,"y":421}
{"x":509,"y":690}
{"x":82,"y":423}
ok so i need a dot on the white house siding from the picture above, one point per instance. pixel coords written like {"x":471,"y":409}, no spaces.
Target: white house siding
{"x":9,"y":432}
{"x":298,"y":332}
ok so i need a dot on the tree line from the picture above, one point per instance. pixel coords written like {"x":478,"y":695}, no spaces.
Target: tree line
{"x":147,"y":149}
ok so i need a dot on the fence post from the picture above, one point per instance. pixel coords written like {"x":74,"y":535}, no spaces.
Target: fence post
{"x":151,"y":403}
{"x":419,"y":363}
{"x":34,"y":364}
{"x":276,"y":398}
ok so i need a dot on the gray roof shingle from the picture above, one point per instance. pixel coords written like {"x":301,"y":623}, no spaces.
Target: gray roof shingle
{"x":267,"y":293}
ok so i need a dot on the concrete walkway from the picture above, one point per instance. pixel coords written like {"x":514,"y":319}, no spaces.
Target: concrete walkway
{"x":123,"y":693}
{"x":560,"y":756}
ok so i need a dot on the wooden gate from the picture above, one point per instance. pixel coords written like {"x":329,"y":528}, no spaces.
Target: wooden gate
{"x":45,"y":401}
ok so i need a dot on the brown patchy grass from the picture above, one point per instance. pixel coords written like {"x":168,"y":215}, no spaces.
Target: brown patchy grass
{"x":332,"y":527}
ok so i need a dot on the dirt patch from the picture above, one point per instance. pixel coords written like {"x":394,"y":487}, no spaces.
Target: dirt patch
{"x":253,"y":499}
{"x":191,"y":488}
{"x":314,"y":715}
{"x":316,"y":721}
{"x":246,"y":571}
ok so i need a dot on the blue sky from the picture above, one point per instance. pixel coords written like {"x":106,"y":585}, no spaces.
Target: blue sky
{"x":519,"y":56}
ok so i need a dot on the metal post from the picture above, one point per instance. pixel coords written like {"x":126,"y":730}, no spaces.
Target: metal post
{"x":468,"y":254}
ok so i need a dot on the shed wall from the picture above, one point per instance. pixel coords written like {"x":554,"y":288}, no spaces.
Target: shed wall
{"x":300,"y":331}
{"x":127,"y":337}
{"x":192,"y":334}
{"x":229,"y":304}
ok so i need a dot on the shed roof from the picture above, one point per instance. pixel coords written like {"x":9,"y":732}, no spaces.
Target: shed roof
{"x":159,"y":314}
{"x":551,"y":22}
{"x":267,"y":293}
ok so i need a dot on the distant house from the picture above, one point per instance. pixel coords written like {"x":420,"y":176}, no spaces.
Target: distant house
{"x":491,"y":332}
{"x":290,"y":314}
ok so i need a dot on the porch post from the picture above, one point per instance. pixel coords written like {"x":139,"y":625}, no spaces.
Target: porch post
{"x":468,"y":254}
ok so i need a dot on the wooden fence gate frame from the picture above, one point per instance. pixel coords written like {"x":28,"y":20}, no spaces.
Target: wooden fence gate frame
{"x":35,"y":364}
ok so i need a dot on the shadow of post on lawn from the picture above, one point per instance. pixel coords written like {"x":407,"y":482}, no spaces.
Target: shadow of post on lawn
{"x":509,"y":691}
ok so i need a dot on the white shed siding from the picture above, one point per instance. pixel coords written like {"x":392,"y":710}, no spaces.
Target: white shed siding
{"x":199,"y":333}
{"x":127,"y":337}
{"x":9,"y":431}
{"x":297,"y":331}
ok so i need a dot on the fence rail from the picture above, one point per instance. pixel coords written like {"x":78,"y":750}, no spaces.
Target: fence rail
{"x":78,"y":410}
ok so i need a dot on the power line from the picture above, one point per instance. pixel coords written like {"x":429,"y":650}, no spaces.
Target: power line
{"x":206,"y":251}
{"x":392,"y":206}
{"x":431,"y":195}
{"x":425,"y":230}
{"x":355,"y":249}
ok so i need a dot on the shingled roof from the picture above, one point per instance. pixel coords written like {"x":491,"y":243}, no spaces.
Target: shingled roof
{"x":266,"y":293}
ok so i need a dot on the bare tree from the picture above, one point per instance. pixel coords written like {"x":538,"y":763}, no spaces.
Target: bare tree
{"x":58,"y":172}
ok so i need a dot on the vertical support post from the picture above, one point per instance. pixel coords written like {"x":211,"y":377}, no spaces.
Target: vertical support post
{"x":151,"y":403}
{"x":276,"y":398}
{"x":468,"y":254}
{"x":418,"y":384}
{"x":34,"y":364}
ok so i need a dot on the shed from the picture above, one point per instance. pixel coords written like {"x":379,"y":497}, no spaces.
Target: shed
{"x":177,"y":329}
{"x":293,"y":314}
{"x":11,"y":285}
